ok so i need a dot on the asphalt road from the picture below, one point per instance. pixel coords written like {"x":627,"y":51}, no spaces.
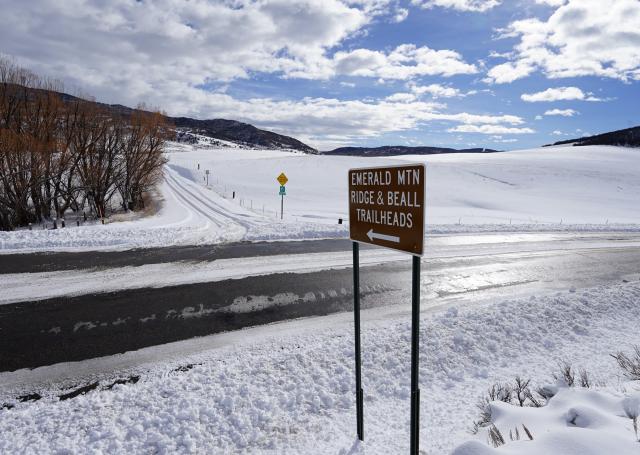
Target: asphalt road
{"x":47,"y":262}
{"x":37,"y":333}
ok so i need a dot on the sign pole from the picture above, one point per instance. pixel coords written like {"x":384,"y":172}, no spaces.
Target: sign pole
{"x":282,"y":180}
{"x":356,"y":317}
{"x":415,"y":356}
{"x":386,"y":208}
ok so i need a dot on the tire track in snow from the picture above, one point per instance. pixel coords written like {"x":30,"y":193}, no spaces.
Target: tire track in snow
{"x":185,"y":202}
{"x":179,"y":190}
{"x":220,"y":213}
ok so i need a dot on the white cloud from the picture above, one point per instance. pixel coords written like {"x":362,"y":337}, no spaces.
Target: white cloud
{"x":538,"y":117}
{"x":323,"y":122}
{"x":581,"y":38}
{"x":562,"y":112}
{"x":478,"y":119}
{"x":496,"y":54}
{"x":404,"y":62}
{"x":96,"y":44}
{"x":460,"y":5}
{"x":489,"y":129}
{"x":438,"y":91}
{"x":401,"y":15}
{"x":559,"y":94}
{"x":557,"y":133}
{"x":501,"y":140}
{"x":509,"y":72}
{"x":551,"y":2}
{"x":104,"y":43}
{"x":401,"y":98}
{"x":180,"y":56}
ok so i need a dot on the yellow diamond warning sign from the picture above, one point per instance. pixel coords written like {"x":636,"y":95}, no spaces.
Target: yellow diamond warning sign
{"x":282,"y":179}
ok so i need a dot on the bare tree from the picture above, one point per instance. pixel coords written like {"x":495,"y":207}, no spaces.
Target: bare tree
{"x":97,"y":142}
{"x":142,"y":156}
{"x":57,"y":154}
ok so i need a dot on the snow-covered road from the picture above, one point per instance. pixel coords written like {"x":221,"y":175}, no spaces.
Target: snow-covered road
{"x":21,"y":287}
{"x":82,"y":313}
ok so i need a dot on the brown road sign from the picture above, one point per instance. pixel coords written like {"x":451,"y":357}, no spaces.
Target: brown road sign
{"x":386,"y":207}
{"x":282,"y":179}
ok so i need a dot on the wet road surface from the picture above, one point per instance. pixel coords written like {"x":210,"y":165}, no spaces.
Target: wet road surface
{"x":459,"y":270}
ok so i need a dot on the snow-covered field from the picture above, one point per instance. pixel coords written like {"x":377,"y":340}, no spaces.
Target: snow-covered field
{"x":549,"y":189}
{"x":288,"y":388}
{"x":572,"y":185}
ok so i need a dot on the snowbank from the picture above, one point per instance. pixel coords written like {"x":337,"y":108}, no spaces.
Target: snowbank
{"x":288,"y":388}
{"x":575,"y":422}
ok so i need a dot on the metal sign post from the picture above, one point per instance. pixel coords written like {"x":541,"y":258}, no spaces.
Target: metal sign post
{"x":282,"y":180}
{"x":415,"y":356}
{"x":283,"y":193}
{"x":386,"y":208}
{"x":356,"y":318}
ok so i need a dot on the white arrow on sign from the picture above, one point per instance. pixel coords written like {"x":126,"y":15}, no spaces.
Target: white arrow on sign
{"x":389,"y":238}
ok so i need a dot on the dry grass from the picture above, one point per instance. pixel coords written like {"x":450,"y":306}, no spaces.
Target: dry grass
{"x":630,"y":364}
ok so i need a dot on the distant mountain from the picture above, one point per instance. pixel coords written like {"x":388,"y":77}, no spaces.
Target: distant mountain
{"x":394,"y":150}
{"x":240,"y":133}
{"x":629,"y":137}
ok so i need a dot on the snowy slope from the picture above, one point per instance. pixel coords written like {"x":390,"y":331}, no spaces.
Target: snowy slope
{"x":578,"y":185}
{"x":554,"y":188}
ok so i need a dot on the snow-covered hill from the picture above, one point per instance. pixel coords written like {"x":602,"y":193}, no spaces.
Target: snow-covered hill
{"x":553,"y":188}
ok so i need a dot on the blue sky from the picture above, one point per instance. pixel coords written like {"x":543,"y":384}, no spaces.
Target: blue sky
{"x":462,"y":73}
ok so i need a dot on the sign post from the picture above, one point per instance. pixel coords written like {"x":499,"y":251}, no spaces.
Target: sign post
{"x":386,"y":208}
{"x":356,"y":320}
{"x":415,"y":356}
{"x":282,"y":180}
